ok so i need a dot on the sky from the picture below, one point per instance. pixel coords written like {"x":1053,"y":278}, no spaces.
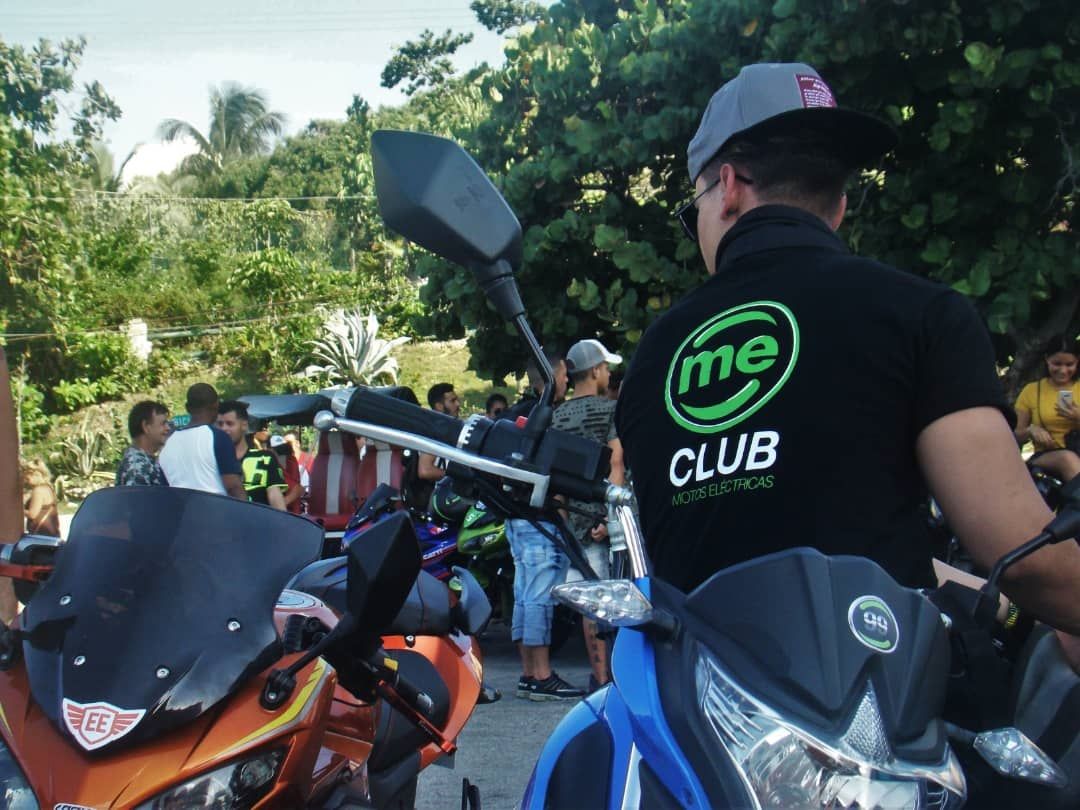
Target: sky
{"x":158,"y":60}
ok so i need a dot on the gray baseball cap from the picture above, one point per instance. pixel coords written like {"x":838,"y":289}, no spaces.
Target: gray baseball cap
{"x":772,"y":98}
{"x":589,"y":353}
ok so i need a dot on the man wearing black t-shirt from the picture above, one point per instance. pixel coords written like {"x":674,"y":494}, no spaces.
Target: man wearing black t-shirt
{"x":806,"y":396}
{"x":264,"y":480}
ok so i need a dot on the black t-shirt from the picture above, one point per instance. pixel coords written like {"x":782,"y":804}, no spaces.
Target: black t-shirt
{"x":262,"y":470}
{"x":778,"y":405}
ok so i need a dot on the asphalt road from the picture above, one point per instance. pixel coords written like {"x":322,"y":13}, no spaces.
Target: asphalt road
{"x":501,"y":741}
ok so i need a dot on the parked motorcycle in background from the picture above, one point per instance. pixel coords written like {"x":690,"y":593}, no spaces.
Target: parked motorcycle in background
{"x":151,"y":669}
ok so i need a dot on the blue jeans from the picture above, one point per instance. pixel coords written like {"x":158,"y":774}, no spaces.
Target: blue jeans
{"x":538,"y":567}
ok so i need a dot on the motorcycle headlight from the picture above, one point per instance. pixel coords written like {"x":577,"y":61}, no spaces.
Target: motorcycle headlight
{"x":783,"y":765}
{"x":15,"y":792}
{"x":234,"y":786}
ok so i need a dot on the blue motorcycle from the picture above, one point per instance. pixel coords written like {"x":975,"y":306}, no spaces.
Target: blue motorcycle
{"x":791,"y":680}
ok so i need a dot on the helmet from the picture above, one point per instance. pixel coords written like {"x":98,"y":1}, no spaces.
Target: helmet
{"x":448,"y":505}
{"x":482,"y":533}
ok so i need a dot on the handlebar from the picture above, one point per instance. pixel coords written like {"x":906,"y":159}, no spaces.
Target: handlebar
{"x":365,"y":405}
{"x":548,"y":461}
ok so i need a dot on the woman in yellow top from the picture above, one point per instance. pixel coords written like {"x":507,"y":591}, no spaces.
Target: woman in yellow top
{"x":1049,"y":409}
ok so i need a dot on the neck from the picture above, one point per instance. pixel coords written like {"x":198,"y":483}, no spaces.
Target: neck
{"x":203,"y":419}
{"x":586,"y":389}
{"x":241,"y":448}
{"x":143,"y":443}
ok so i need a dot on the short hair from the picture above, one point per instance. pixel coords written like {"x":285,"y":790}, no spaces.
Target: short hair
{"x":491,"y":400}
{"x":402,"y":392}
{"x":200,"y":397}
{"x":805,"y":170}
{"x":234,"y":406}
{"x":436,"y":393}
{"x":532,"y":370}
{"x":143,"y":412}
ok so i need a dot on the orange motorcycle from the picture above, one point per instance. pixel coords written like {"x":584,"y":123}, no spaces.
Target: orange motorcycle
{"x":159,"y":664}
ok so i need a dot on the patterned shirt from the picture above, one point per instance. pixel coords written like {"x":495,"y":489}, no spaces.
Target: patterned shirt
{"x":590,"y":417}
{"x":139,"y":469}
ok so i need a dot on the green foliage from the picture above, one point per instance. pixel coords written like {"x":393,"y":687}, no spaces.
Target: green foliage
{"x":85,"y":452}
{"x":424,"y":62}
{"x":101,"y":367}
{"x":593,"y":110}
{"x":502,"y":15}
{"x":349,"y":351}
{"x":30,"y":410}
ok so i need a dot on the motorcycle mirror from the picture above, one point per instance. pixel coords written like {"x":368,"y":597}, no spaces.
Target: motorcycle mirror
{"x":431,"y":192}
{"x":473,"y":610}
{"x":383,"y":564}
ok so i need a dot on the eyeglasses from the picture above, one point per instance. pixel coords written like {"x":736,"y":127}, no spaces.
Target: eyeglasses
{"x":687,"y":213}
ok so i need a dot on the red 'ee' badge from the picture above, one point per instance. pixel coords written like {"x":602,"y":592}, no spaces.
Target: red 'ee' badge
{"x":96,"y":724}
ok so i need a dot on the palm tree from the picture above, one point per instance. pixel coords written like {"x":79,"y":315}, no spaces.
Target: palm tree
{"x":104,"y":176}
{"x":240,"y":125}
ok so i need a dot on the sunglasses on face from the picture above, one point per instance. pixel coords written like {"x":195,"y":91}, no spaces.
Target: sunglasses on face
{"x":687,"y":213}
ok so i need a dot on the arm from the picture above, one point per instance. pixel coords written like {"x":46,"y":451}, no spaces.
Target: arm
{"x":296,"y":489}
{"x":618,"y":467}
{"x":970,"y":461}
{"x":427,"y":470}
{"x":232,"y":476}
{"x":293,"y":494}
{"x":234,"y":485}
{"x":1026,"y":431}
{"x":275,"y":498}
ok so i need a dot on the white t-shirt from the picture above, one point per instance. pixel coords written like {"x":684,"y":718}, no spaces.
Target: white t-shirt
{"x":196,"y":458}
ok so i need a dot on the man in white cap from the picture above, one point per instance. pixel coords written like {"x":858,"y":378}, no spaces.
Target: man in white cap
{"x":591,"y":414}
{"x":806,"y":396}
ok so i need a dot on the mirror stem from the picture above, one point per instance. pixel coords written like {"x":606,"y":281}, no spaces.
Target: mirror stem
{"x":540,"y":418}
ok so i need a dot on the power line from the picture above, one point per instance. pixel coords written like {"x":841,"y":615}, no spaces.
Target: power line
{"x":139,"y":197}
{"x":27,"y":337}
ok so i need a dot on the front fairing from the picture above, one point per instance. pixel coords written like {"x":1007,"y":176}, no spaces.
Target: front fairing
{"x":780,"y":624}
{"x":160,"y":606}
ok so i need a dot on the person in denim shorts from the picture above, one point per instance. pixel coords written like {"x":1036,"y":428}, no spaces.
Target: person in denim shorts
{"x":539,"y":565}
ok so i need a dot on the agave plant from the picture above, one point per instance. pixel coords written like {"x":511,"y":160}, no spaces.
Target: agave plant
{"x":352,"y":353}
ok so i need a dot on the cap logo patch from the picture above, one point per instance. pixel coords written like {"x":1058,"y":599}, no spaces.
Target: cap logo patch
{"x":96,"y":724}
{"x":814,"y":91}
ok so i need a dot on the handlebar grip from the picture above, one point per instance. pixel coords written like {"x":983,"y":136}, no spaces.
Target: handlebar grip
{"x":366,"y":405}
{"x":420,"y":701}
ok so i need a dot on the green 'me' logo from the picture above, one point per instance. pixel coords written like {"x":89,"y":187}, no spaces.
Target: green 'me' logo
{"x":731,"y":365}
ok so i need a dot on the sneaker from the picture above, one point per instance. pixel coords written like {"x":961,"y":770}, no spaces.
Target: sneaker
{"x":554,"y":688}
{"x":595,"y":685}
{"x":488,"y":694}
{"x":525,"y":685}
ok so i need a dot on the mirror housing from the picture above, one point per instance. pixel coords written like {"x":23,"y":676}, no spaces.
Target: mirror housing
{"x":383,"y":564}
{"x":431,"y":192}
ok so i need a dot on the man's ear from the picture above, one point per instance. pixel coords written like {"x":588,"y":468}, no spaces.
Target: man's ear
{"x":838,"y":215}
{"x":734,"y":192}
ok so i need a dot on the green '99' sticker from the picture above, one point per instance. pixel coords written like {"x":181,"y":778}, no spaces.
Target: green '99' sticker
{"x":873,"y":624}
